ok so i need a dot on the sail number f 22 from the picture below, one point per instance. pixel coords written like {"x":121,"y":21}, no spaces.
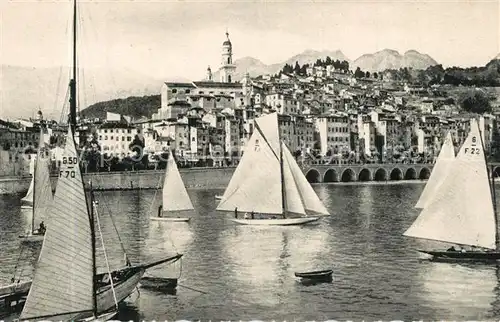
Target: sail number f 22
{"x":472,"y":150}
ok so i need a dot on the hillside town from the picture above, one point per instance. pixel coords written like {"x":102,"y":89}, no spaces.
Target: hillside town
{"x":328,"y":114}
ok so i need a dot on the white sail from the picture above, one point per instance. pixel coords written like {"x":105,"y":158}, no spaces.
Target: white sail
{"x":293,"y":200}
{"x":42,"y":186}
{"x":309,"y":198}
{"x":462,"y":211}
{"x":175,"y":196}
{"x":256,"y":182}
{"x":63,"y":280}
{"x":29,"y":195}
{"x":439,"y":172}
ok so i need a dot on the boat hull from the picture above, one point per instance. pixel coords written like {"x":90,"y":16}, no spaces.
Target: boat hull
{"x":316,"y":275}
{"x":276,"y":222}
{"x":102,"y":317}
{"x":26,"y":207}
{"x":15,"y":289}
{"x":31,"y":237}
{"x":218,"y":197}
{"x":123,"y":289}
{"x":174,"y":219}
{"x":463,"y":256}
{"x":159,"y":283}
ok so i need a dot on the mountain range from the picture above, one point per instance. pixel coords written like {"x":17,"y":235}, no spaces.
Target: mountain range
{"x":24,"y":90}
{"x":379,"y":61}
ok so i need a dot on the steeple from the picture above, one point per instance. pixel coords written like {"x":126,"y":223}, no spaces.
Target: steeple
{"x":227,"y":67}
{"x":209,"y":74}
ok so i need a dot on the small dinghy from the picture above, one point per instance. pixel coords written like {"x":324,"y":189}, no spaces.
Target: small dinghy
{"x":158,"y":283}
{"x":174,"y":219}
{"x":325,"y":275}
{"x":217,"y":197}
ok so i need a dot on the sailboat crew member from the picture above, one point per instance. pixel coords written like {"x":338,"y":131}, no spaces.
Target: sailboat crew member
{"x":159,"y":210}
{"x":42,"y":228}
{"x":236,"y":212}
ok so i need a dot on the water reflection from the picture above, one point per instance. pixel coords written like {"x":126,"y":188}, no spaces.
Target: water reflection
{"x":264,"y":259}
{"x":458,"y":290}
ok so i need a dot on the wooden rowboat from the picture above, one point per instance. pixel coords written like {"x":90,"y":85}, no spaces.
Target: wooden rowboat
{"x":316,"y":275}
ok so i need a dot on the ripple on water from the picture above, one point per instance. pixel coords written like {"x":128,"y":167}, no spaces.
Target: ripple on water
{"x":248,"y":272}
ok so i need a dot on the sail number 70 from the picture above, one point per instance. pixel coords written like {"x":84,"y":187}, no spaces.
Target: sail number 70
{"x":66,"y":174}
{"x":472,"y":150}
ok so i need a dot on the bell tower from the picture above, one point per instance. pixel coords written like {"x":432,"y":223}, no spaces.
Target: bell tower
{"x":227,"y":68}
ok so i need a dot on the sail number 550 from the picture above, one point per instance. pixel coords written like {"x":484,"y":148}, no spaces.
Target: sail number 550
{"x":70,"y":160}
{"x":472,"y":150}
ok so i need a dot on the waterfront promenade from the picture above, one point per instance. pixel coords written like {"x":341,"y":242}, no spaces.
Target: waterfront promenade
{"x":219,"y":177}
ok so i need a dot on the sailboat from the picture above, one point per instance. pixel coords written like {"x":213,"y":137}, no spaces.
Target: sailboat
{"x":439,"y":172}
{"x":268,"y":184}
{"x":42,"y":193}
{"x":463,"y":211}
{"x":69,"y":253}
{"x":27,"y":201}
{"x":175,"y":199}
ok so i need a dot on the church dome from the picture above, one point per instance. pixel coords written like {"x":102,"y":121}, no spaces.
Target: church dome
{"x":227,"y":42}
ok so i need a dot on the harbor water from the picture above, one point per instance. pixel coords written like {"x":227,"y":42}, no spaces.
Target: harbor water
{"x":232,"y":272}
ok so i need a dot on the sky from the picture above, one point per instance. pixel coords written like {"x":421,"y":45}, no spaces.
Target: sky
{"x":170,"y":39}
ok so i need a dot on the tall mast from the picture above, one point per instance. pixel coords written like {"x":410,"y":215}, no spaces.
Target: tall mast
{"x":283,"y":190}
{"x":94,"y":268}
{"x":72,"y":83}
{"x":492,"y":189}
{"x":34,"y":189}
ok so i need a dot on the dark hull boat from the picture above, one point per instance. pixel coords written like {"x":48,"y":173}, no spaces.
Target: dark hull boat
{"x":481,"y":256}
{"x":459,"y":206}
{"x":159,"y":283}
{"x":324,"y":275}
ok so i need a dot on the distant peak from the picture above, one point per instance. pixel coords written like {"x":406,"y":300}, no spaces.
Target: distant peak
{"x":412,"y":52}
{"x":390,"y":51}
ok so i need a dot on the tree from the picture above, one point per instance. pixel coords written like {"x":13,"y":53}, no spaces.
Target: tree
{"x":359,"y":73}
{"x":495,"y":142}
{"x":475,"y":101}
{"x":328,"y":60}
{"x":367,"y":74}
{"x":375,"y":75}
{"x":296,"y":69}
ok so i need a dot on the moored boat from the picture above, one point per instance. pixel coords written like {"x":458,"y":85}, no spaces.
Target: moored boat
{"x":323,"y":275}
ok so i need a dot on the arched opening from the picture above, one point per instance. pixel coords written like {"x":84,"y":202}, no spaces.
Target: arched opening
{"x":229,"y":78}
{"x":312,"y":176}
{"x":348,"y":175}
{"x":425,"y":173}
{"x":410,"y":174}
{"x":330,"y":176}
{"x":380,"y":175}
{"x":365,"y":175}
{"x":396,"y":174}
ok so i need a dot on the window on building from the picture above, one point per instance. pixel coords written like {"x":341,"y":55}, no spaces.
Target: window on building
{"x":174,"y":90}
{"x":187,"y":91}
{"x":129,"y":131}
{"x":129,"y":138}
{"x":111,"y":137}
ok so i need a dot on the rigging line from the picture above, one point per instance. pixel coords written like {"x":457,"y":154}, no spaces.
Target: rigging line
{"x":105,"y":255}
{"x":94,"y":32}
{"x":116,"y":229}
{"x":17,"y":262}
{"x":92,"y":29}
